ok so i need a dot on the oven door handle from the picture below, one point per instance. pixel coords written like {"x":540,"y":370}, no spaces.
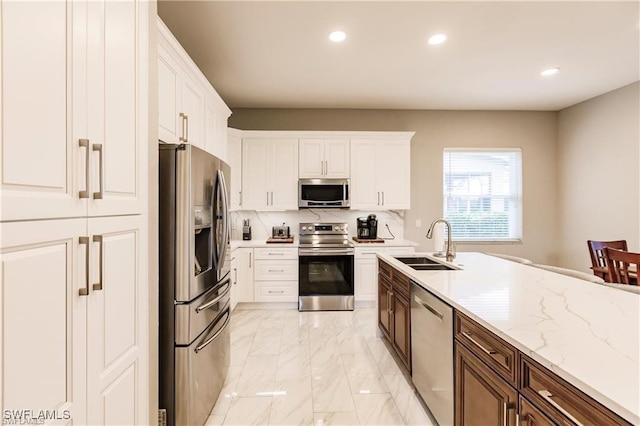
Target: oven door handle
{"x":326,"y":252}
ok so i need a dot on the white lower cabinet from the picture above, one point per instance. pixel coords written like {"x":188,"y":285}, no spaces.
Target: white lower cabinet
{"x":276,"y":274}
{"x":242,"y":263}
{"x":366,"y":269}
{"x":74,"y":306}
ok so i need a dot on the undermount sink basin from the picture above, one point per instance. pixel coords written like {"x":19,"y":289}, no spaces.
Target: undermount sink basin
{"x":431,"y":267}
{"x":417,"y":261}
{"x":424,"y":264}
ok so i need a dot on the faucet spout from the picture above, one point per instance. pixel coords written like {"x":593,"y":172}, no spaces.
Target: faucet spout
{"x":450,"y":253}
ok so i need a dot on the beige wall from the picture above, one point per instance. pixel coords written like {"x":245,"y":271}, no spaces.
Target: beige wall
{"x":599,"y":155}
{"x":533,"y":132}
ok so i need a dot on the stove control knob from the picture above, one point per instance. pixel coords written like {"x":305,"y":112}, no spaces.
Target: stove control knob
{"x":304,"y":228}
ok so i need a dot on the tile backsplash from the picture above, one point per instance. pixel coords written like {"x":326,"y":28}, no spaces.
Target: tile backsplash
{"x":261,"y":222}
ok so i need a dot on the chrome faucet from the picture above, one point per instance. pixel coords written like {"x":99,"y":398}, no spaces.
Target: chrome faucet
{"x":450,"y":254}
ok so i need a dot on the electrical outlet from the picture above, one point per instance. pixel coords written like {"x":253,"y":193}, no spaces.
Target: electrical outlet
{"x":418,"y":223}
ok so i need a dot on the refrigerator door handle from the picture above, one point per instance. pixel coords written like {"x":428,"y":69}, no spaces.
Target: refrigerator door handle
{"x":216,"y":300}
{"x":225,"y":218}
{"x":212,"y":338}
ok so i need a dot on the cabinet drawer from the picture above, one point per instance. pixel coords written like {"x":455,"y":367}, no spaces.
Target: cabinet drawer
{"x":270,"y":270}
{"x":497,"y":353}
{"x":401,"y":283}
{"x":276,"y":291}
{"x":559,"y":400}
{"x":276,"y":253}
{"x":368,"y":253}
{"x":394,"y":251}
{"x":384,"y":270}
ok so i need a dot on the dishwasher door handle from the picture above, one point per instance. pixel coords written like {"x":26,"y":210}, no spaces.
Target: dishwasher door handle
{"x":428,"y":307}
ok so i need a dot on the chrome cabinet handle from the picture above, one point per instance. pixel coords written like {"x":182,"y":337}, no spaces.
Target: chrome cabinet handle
{"x":98,"y":285}
{"x":326,"y":168}
{"x":272,"y":198}
{"x":276,"y":292}
{"x":548,"y":395}
{"x":468,"y":335}
{"x":428,"y":307}
{"x":275,"y":254}
{"x":85,"y":291}
{"x":250,"y":255}
{"x":98,"y":147}
{"x":84,"y":143}
{"x":276,"y":270}
{"x":321,"y":168}
{"x":235,"y":274}
{"x":267,"y":197}
{"x":383,"y":198}
{"x":183,"y":137}
{"x":390,"y":302}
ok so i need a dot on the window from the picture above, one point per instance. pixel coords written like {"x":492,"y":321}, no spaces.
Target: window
{"x":483,"y":194}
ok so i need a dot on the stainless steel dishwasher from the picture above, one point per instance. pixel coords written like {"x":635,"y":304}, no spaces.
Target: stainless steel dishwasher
{"x":432,"y":352}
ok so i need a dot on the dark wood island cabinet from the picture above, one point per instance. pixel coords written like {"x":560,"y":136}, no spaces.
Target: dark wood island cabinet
{"x":494,"y":382}
{"x":394,"y":313}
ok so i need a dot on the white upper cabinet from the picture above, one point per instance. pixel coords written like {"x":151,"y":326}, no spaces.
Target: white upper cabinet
{"x":189,"y":108}
{"x":381,"y":174}
{"x":269,"y":174}
{"x":234,"y":156}
{"x":62,"y":155}
{"x":324,"y":158}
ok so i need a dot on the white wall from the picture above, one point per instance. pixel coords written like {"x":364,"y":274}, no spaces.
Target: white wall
{"x":598,"y":171}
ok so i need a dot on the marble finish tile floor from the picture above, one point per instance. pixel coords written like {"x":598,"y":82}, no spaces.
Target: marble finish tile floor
{"x":313,"y":368}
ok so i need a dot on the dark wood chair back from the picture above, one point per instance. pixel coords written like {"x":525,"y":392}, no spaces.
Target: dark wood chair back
{"x":599,"y":258}
{"x":623,"y":266}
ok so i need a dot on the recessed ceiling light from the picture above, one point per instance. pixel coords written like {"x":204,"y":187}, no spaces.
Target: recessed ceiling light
{"x":337,"y":36}
{"x":549,"y":71}
{"x":437,"y":39}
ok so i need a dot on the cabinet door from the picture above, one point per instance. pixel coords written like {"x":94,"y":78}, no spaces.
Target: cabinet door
{"x":481,"y":396}
{"x":235,"y":162}
{"x":364,"y":186}
{"x":42,"y":165}
{"x":283,"y":174}
{"x":255,"y":195}
{"x":169,"y":122}
{"x":366,"y":279}
{"x":192,"y":105}
{"x":242,"y":269}
{"x":337,"y":158}
{"x":394,"y":174}
{"x":117,"y":118}
{"x":385,"y":319}
{"x":117,"y":389}
{"x":401,"y":328}
{"x":530,"y":415}
{"x":43,"y":267}
{"x":311,"y":158}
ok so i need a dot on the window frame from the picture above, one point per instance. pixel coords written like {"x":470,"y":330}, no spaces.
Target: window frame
{"x":515,"y":197}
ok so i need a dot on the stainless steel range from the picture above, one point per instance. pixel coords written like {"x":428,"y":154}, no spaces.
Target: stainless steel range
{"x":326,"y":259}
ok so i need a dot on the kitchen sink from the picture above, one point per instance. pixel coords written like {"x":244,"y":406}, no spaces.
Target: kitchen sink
{"x":417,"y":261}
{"x":431,"y":267}
{"x":424,"y":264}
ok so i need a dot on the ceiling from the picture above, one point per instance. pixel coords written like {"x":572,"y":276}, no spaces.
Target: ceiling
{"x":277,"y":54}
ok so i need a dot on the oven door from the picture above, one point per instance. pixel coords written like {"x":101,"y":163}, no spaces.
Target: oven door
{"x":326,"y":272}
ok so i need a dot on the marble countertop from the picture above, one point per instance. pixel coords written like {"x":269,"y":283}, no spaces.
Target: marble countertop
{"x":586,"y":333}
{"x":263,"y":243}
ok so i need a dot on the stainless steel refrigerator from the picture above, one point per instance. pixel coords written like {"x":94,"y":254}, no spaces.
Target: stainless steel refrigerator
{"x":194,"y":311}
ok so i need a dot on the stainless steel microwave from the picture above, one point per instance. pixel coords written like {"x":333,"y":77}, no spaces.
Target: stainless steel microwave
{"x":323,"y":193}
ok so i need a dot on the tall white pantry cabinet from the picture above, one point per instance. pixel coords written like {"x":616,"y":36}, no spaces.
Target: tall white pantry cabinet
{"x":73,"y":167}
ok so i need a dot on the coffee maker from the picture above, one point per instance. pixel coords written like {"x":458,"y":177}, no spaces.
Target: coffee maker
{"x":368,"y":227}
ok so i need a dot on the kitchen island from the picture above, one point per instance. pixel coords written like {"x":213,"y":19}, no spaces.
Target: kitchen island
{"x":587,"y":334}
